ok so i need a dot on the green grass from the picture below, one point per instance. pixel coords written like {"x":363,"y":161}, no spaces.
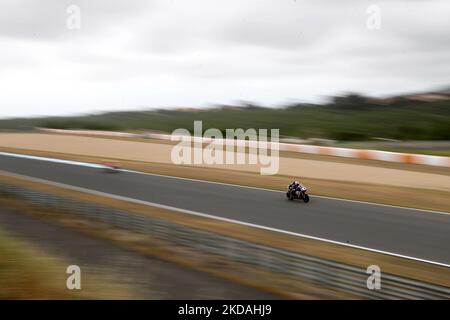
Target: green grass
{"x":346,"y":119}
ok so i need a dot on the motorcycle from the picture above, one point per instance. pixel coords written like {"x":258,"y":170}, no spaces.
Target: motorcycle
{"x":301,"y":194}
{"x":111,"y":167}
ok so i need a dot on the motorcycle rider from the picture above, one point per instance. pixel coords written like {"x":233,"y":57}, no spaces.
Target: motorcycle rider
{"x":296,"y":186}
{"x":297,"y":190}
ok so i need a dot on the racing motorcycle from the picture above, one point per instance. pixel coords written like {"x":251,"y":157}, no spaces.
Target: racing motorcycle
{"x":301,"y":193}
{"x":111,"y":167}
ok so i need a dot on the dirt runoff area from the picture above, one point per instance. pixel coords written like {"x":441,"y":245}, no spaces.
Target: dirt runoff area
{"x":361,"y":180}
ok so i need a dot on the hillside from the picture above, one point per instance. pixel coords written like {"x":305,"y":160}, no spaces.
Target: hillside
{"x":349,"y":118}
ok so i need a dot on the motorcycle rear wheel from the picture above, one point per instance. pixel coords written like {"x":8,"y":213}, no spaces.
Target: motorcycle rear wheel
{"x":290,"y":195}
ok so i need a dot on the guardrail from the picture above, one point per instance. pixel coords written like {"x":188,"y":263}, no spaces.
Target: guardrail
{"x":331,"y":274}
{"x":291,"y":147}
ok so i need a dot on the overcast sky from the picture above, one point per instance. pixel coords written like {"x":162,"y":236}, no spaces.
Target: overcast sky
{"x":148,"y":54}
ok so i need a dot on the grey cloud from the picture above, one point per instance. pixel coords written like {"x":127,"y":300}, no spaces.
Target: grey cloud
{"x":46,"y":19}
{"x":262,"y":50}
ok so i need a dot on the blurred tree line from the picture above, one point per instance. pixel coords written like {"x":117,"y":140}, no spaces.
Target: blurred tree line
{"x":350,"y":117}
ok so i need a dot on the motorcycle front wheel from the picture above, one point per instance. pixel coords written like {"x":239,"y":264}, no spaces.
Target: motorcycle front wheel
{"x":306,"y":198}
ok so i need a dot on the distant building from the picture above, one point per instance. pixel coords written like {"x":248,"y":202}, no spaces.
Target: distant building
{"x":428,"y":97}
{"x":422,"y":97}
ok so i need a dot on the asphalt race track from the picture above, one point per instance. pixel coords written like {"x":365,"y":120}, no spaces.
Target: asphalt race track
{"x":414,"y":233}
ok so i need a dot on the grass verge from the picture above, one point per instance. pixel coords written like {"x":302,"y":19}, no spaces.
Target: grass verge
{"x":27,"y":273}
